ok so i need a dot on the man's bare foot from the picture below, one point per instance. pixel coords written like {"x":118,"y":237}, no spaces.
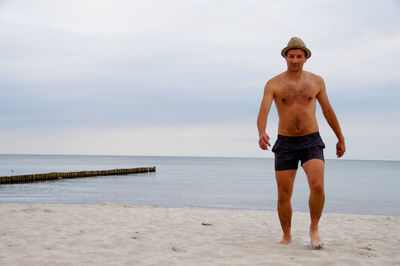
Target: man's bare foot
{"x":286,"y":240}
{"x":316,"y":241}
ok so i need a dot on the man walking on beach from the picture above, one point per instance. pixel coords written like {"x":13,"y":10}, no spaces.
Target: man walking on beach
{"x":295,"y":93}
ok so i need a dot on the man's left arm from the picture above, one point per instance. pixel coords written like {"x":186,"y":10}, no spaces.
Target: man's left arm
{"x":330,"y":117}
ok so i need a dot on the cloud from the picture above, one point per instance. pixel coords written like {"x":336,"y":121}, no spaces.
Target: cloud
{"x":183,"y":140}
{"x":109,"y":64}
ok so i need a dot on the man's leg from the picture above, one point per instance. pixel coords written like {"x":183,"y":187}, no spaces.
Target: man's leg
{"x":285,"y":181}
{"x":314,"y":170}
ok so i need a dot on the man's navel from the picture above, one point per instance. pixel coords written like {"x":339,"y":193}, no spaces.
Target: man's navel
{"x":297,"y":124}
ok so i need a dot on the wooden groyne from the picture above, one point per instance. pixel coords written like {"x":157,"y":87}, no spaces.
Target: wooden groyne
{"x":61,"y":175}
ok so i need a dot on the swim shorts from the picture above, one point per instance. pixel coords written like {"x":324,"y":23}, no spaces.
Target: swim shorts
{"x":290,"y":150}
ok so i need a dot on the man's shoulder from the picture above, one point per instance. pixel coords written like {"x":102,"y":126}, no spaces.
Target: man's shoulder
{"x":274,"y":83}
{"x":277,"y":78}
{"x":281,"y":77}
{"x":313,"y":76}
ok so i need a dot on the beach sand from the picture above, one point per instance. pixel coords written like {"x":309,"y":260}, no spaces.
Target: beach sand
{"x":138,"y":235}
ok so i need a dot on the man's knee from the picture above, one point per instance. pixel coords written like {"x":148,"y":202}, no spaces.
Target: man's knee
{"x":285,"y":180}
{"x":284,"y":195}
{"x":317,"y":187}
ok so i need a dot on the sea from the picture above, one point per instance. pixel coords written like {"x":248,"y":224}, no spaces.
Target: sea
{"x":351,"y":186}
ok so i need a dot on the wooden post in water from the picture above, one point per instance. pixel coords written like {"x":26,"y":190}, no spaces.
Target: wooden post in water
{"x":61,"y":175}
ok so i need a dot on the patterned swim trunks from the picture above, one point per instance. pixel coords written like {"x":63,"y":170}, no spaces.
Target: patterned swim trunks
{"x":290,"y":150}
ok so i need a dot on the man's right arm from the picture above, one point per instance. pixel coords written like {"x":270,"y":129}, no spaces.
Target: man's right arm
{"x":263,"y":114}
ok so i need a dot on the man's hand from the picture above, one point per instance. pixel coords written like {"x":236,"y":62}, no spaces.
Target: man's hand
{"x":340,"y":148}
{"x":264,"y":141}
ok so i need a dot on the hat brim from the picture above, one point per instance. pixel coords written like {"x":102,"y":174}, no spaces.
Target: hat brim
{"x":287,"y":48}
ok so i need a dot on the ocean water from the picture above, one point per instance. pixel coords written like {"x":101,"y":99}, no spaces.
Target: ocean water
{"x":351,"y":186}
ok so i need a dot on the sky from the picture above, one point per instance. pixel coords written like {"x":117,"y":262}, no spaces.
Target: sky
{"x":186,"y":78}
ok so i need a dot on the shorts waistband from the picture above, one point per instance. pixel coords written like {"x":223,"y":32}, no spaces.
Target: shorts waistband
{"x":299,"y":138}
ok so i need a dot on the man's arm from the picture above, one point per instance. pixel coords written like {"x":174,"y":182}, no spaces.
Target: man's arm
{"x":331,"y":118}
{"x":262,"y":116}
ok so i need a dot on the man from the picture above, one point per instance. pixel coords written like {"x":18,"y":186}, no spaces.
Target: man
{"x":295,"y":93}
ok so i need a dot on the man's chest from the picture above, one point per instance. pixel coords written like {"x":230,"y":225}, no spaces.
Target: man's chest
{"x":296,"y":93}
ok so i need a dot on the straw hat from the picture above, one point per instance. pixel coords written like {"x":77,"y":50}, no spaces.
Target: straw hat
{"x":296,"y":43}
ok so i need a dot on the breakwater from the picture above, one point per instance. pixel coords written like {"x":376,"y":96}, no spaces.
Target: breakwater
{"x":62,"y":175}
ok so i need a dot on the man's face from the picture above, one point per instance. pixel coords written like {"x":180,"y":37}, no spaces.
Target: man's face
{"x":295,"y":59}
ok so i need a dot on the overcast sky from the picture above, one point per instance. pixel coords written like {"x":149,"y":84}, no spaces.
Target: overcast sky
{"x":160,"y":77}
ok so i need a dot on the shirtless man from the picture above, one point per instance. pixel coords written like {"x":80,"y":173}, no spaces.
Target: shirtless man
{"x":295,"y":93}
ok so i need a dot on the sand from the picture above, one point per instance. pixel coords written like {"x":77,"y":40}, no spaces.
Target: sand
{"x":139,"y":235}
